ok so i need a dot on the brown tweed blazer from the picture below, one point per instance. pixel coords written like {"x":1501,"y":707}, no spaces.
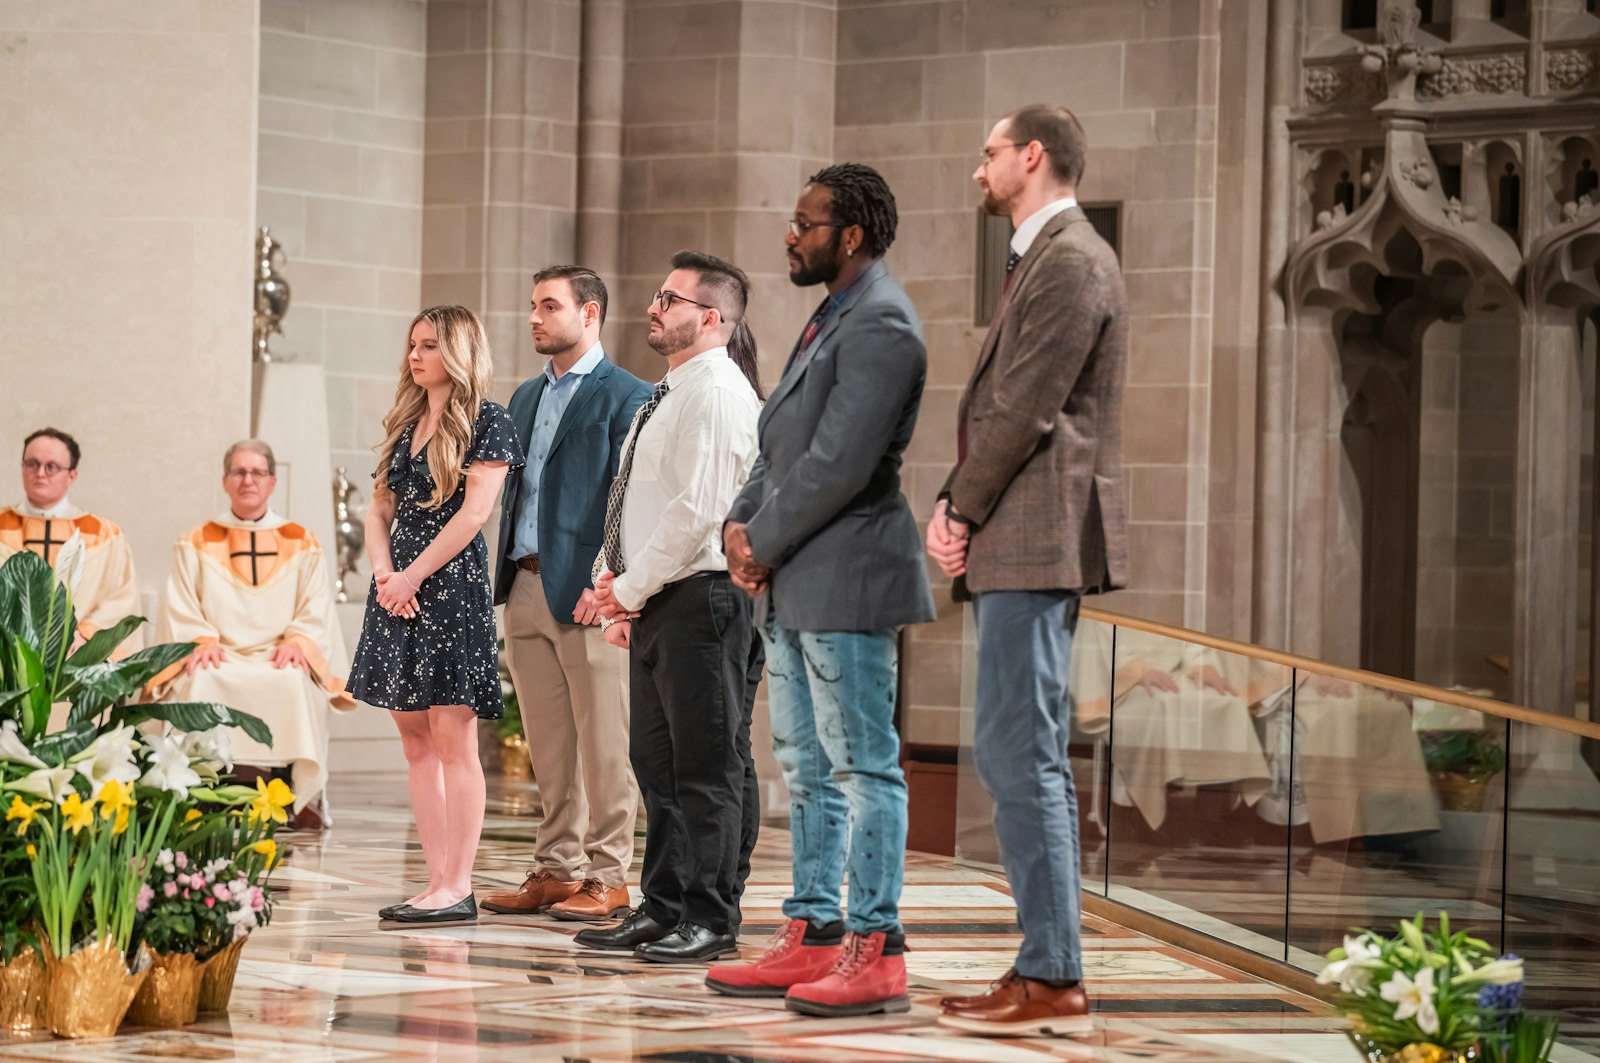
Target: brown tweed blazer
{"x":1042,"y":418}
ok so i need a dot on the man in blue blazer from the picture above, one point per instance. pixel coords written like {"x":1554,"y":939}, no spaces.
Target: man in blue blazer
{"x":571,"y":685}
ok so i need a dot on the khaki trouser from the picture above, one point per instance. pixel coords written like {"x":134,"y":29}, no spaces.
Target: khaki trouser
{"x":572,"y":687}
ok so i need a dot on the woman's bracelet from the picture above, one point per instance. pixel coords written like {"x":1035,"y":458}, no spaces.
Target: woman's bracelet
{"x":414,"y":588}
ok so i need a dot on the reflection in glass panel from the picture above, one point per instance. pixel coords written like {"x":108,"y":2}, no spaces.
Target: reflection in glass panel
{"x":975,"y":835}
{"x":1397,"y":808}
{"x":1186,"y":771}
{"x":1553,"y":871}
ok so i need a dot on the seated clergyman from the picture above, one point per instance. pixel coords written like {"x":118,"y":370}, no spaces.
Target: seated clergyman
{"x":253,"y":591}
{"x":47,"y":520}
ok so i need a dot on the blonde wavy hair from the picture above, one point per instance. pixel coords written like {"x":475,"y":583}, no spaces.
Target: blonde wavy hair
{"x":464,"y":349}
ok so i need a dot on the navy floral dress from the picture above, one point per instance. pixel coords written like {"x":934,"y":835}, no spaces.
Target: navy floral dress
{"x":445,"y":655}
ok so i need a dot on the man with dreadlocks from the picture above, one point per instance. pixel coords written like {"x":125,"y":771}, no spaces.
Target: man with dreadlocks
{"x":822,"y":535}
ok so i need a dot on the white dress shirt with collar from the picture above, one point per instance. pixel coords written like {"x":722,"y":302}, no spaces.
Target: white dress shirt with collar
{"x":694,"y":455}
{"x":1033,"y":224}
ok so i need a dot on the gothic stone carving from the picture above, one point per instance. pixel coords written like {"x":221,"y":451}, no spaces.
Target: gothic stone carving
{"x":1342,"y":83}
{"x":1572,"y":70}
{"x":1476,"y":75}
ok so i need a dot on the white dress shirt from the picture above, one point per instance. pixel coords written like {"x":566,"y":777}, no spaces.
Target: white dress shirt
{"x":1033,"y":224}
{"x":60,"y":510}
{"x":694,"y":455}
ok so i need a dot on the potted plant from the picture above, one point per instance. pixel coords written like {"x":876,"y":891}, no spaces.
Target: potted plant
{"x":93,"y":801}
{"x":1433,"y":996}
{"x":21,"y":968}
{"x":1461,"y":763}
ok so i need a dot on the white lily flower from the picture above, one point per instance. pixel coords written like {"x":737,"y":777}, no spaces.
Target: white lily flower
{"x":1498,"y":972}
{"x":13,"y":748}
{"x":52,"y":784}
{"x":1413,"y":998}
{"x":69,"y":563}
{"x":214,"y":748}
{"x":1354,"y":972}
{"x":169,"y":766}
{"x":109,"y":757}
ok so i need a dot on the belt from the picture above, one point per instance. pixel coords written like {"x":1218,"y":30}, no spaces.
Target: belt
{"x":529,"y":564}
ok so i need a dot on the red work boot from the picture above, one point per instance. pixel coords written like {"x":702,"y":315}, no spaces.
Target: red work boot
{"x":797,"y":953}
{"x":869,"y":977}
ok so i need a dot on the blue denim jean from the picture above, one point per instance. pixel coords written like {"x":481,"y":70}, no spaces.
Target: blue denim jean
{"x":1023,"y":721}
{"x":832,"y":700}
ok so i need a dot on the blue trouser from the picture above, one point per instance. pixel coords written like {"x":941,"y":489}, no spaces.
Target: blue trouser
{"x":832,"y":699}
{"x":1023,"y":723}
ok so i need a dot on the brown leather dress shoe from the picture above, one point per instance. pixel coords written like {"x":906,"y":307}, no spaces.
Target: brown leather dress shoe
{"x":967,"y":1000}
{"x":538,"y":892}
{"x":1019,"y":1006}
{"x":594,"y":902}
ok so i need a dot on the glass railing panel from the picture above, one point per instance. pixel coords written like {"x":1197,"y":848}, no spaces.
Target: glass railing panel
{"x":1396,"y":806}
{"x":1185,"y":771}
{"x":1553,"y":873}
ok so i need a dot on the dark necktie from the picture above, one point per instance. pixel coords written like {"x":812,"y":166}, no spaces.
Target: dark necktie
{"x":1011,"y":264}
{"x":611,"y":549}
{"x":814,"y":326}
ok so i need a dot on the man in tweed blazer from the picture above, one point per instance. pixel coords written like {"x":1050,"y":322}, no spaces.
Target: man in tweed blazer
{"x":1031,"y":519}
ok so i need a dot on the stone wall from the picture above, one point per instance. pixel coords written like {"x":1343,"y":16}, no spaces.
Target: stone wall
{"x":127,"y":168}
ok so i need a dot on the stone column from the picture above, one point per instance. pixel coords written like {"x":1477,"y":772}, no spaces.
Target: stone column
{"x":600,"y":83}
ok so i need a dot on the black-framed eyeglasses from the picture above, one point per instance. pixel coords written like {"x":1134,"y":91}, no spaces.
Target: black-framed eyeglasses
{"x":49,"y":468}
{"x":665,"y":299}
{"x":798,"y":228}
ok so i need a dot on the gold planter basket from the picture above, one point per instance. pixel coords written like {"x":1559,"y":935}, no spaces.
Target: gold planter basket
{"x":89,"y":990}
{"x":22,"y":992}
{"x":170,"y":995}
{"x":216,"y":976}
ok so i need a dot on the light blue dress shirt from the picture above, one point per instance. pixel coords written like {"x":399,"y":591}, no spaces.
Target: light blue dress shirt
{"x":558,"y":393}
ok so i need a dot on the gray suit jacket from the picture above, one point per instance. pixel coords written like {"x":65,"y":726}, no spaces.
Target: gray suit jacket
{"x":1042,"y":423}
{"x":823,"y":501}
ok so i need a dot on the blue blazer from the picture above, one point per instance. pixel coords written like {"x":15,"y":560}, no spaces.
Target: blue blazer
{"x":573,"y":485}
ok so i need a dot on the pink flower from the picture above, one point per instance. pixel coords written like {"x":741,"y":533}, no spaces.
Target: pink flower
{"x":146,"y":895}
{"x":182,"y":860}
{"x":211,"y":902}
{"x":169,"y":889}
{"x":185,"y":894}
{"x":258,"y":900}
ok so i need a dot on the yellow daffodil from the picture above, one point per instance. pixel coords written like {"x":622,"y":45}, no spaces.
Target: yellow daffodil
{"x":32,"y":852}
{"x":267,"y":848}
{"x":24,"y":811}
{"x":191,"y":815}
{"x":76,"y":813}
{"x":271,"y":799}
{"x":116,"y":801}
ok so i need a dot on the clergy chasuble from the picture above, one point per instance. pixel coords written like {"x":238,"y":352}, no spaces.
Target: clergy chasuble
{"x":107,"y":591}
{"x":248,"y":586}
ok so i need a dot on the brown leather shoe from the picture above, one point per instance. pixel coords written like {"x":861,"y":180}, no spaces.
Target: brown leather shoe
{"x":967,"y":1000}
{"x":537,"y":893}
{"x":594,"y":902}
{"x":1019,"y":1006}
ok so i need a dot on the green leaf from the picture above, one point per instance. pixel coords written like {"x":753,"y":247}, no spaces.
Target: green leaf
{"x":200,"y":716}
{"x":96,"y":686}
{"x":56,"y":749}
{"x":34,"y":607}
{"x":102,"y":642}
{"x":28,"y":671}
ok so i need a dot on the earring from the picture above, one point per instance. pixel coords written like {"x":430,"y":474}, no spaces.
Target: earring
{"x":851,"y":252}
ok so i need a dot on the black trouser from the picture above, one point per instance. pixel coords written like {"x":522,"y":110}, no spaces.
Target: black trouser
{"x":694,"y":667}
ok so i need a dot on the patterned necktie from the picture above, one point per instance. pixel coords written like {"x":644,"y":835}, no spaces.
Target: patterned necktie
{"x":611,"y":550}
{"x":1011,"y":264}
{"x":814,"y":326}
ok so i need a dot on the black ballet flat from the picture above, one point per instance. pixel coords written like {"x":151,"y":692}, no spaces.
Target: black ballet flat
{"x":387,"y":912}
{"x":463,"y":911}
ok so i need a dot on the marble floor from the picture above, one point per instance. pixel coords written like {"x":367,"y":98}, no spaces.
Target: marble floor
{"x":324,"y":984}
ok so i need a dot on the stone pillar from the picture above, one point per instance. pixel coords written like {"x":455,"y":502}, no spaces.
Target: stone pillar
{"x":127,"y":211}
{"x":600,"y":86}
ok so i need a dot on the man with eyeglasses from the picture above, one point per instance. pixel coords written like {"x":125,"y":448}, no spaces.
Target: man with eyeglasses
{"x":1030,"y":520}
{"x":251,"y":589}
{"x":693,"y":657}
{"x":106,"y":591}
{"x":824,"y":540}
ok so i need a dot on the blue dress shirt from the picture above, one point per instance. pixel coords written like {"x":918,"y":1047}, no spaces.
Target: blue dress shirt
{"x":558,"y":393}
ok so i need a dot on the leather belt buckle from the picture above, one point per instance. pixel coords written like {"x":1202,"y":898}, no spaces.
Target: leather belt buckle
{"x":529,"y":564}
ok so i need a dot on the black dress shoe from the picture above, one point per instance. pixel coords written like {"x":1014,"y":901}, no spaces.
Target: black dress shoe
{"x":464,"y":910}
{"x":626,"y":936}
{"x":688,"y":943}
{"x":387,"y":911}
